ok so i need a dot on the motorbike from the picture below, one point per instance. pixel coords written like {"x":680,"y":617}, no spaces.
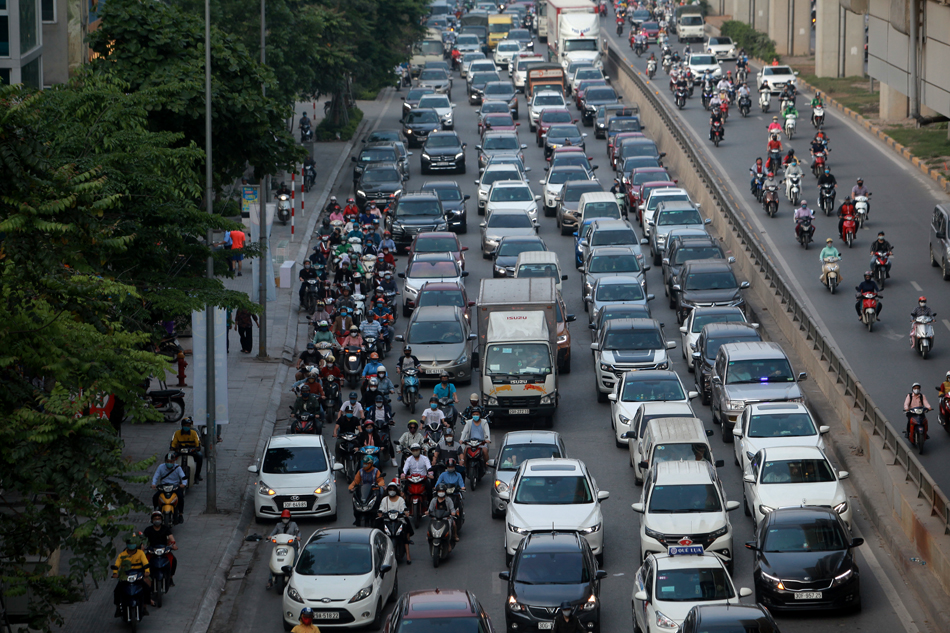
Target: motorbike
{"x":724,"y":106}
{"x":924,"y":335}
{"x":869,"y":309}
{"x":770,"y":200}
{"x":375,"y":452}
{"x":715,"y":132}
{"x":306,"y":133}
{"x":160,"y":571}
{"x":474,"y":462}
{"x":455,"y":494}
{"x":282,"y":555}
{"x":765,"y":99}
{"x":309,"y":303}
{"x":741,"y":75}
{"x":439,"y":535}
{"x":365,"y":497}
{"x":169,"y":402}
{"x":861,"y":209}
{"x":680,"y":98}
{"x":353,"y":361}
{"x":818,"y":116}
{"x":416,"y":497}
{"x":332,"y":391}
{"x":167,"y":503}
{"x":943,"y":411}
{"x":790,"y":122}
{"x":619,"y":26}
{"x":410,"y":388}
{"x":832,"y":271}
{"x":880,"y":268}
{"x":306,"y":423}
{"x":639,"y":48}
{"x":745,"y":105}
{"x":826,"y":198}
{"x":134,"y":598}
{"x":774,"y":160}
{"x":283,"y":208}
{"x":849,"y":229}
{"x":818,"y":165}
{"x":394,"y":527}
{"x":794,"y":189}
{"x":309,"y":177}
{"x":651,"y":68}
{"x":917,"y":436}
{"x":449,"y":411}
{"x":758,"y":186}
{"x":188,"y":463}
{"x":805,"y":232}
{"x":350,"y":459}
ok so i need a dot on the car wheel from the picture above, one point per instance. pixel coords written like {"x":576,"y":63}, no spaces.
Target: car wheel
{"x":495,"y":514}
{"x":406,"y":311}
{"x":462,"y":169}
{"x":287,"y":627}
{"x":395,"y":591}
{"x":600,"y":558}
{"x":377,"y":622}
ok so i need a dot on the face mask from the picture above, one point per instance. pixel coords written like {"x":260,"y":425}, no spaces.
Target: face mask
{"x":441,"y":495}
{"x":916,"y":390}
{"x":157,"y":523}
{"x":433,"y":406}
{"x":169,"y":465}
{"x":921,"y":304}
{"x":451,"y":470}
{"x":187,"y":429}
{"x":475,"y":418}
{"x":392,"y":493}
{"x":416,"y":453}
{"x":305,"y":395}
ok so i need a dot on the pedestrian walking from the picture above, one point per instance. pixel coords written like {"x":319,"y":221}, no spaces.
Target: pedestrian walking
{"x":242,"y":323}
{"x":227,"y":245}
{"x":237,"y":243}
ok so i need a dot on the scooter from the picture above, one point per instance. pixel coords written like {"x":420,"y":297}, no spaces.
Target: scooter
{"x":680,"y":98}
{"x":774,"y":160}
{"x":765,"y":99}
{"x":832,"y":271}
{"x":306,"y":423}
{"x":770,"y":200}
{"x":715,"y":133}
{"x":943,"y":412}
{"x":651,"y":68}
{"x":394,"y":527}
{"x":309,"y":302}
{"x":619,"y":26}
{"x":805,"y":232}
{"x":826,"y":198}
{"x":869,"y":309}
{"x":160,"y":571}
{"x":474,"y":463}
{"x":348,"y":448}
{"x":133,"y":599}
{"x":282,"y":555}
{"x":794,"y":189}
{"x":849,"y":229}
{"x":439,"y":535}
{"x":353,"y":361}
{"x":758,"y":186}
{"x":861,"y":209}
{"x":309,"y":177}
{"x":283,"y":208}
{"x":416,"y":497}
{"x":410,"y":388}
{"x":917,"y":436}
{"x":188,"y":463}
{"x":818,"y":166}
{"x":790,"y":122}
{"x":374,"y":452}
{"x":706,"y":97}
{"x":818,"y":116}
{"x":365,"y":497}
{"x":924,"y":335}
{"x":745,"y":105}
{"x":455,"y":494}
{"x":306,"y":133}
{"x":880,"y":268}
{"x":168,"y":503}
{"x":448,"y":410}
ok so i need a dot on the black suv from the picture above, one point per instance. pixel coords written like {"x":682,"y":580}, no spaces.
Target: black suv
{"x":681,"y":250}
{"x":594,"y":97}
{"x":443,"y":151}
{"x":416,"y":212}
{"x":379,"y":183}
{"x":453,"y":203}
{"x":418,"y":124}
{"x":547,"y":570}
{"x":714,"y":336}
{"x":373,"y":153}
{"x":707,"y":282}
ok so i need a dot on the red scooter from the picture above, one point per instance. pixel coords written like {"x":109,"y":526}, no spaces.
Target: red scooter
{"x":418,"y":497}
{"x":849,"y":229}
{"x":869,"y":302}
{"x":943,"y":411}
{"x":474,"y":462}
{"x":818,"y":166}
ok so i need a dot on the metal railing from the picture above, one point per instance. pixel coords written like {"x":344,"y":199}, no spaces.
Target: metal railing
{"x":927,"y":488}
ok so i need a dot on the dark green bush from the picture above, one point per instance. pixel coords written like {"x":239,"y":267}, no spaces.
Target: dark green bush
{"x":326,"y":131}
{"x":756,"y":44}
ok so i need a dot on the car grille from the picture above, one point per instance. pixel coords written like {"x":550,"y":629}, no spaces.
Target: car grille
{"x":620,"y":369}
{"x":698,"y":539}
{"x":807,"y":585}
{"x":545,"y":613}
{"x":308,"y":499}
{"x":527,"y":401}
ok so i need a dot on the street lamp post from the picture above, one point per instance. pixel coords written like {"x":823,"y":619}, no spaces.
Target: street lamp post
{"x":262,"y":235}
{"x":211,"y":505}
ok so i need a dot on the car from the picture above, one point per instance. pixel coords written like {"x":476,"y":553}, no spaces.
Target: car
{"x":641,"y":146}
{"x":497,"y":121}
{"x":477,"y":82}
{"x":555,"y":180}
{"x":650,"y":199}
{"x":683,"y":246}
{"x":721,"y":47}
{"x":425,"y":267}
{"x":684,"y":500}
{"x":699,"y":63}
{"x":549,"y":117}
{"x":617,"y":311}
{"x":638,"y":424}
{"x":713,"y":336}
{"x":443,"y":151}
{"x":707,"y":282}
{"x":438,"y":79}
{"x":776,"y":77}
{"x":437,"y":242}
{"x":411,"y":99}
{"x":639,"y":16}
{"x":414,"y":213}
{"x":453,"y":203}
{"x":438,"y":610}
{"x":634,"y":389}
{"x":468,"y":43}
{"x":574,"y":157}
{"x":554,"y":495}
{"x":512,"y":160}
{"x":516,"y":448}
{"x":650,"y":30}
{"x":614,"y":142}
{"x":419,"y":123}
{"x":502,"y":91}
{"x":379,"y":183}
{"x":491,"y":174}
{"x":441,"y":338}
{"x":670,"y":216}
{"x":499,"y":143}
{"x":765,"y":425}
{"x":615,"y":290}
{"x":793,"y":476}
{"x":512,"y":194}
{"x":382,"y":136}
{"x":607,"y":232}
{"x":468,"y":58}
{"x":296,"y":473}
{"x":445,"y":293}
{"x":636,"y":179}
{"x":504,"y":50}
{"x":804,"y":560}
{"x":523,"y":37}
{"x":442,"y":106}
{"x":563,"y":335}
{"x":668,"y":585}
{"x":371,"y":154}
{"x":542,"y":100}
{"x":573,"y":66}
{"x":548,"y":570}
{"x":567,"y":200}
{"x":628,"y":345}
{"x":506,"y":254}
{"x":625,"y":168}
{"x":346,"y":575}
{"x":605,"y":112}
{"x":490,"y":107}
{"x":584,"y":73}
{"x":481,"y":66}
{"x":739,"y":617}
{"x":619,"y":124}
{"x":593,"y":98}
{"x":581,"y":236}
{"x":581,"y":89}
{"x":505,"y":223}
{"x":610,"y":261}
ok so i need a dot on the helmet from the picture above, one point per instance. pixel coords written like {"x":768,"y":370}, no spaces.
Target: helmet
{"x":331,"y":359}
{"x":310,"y":346}
{"x":847,"y":199}
{"x":367,"y":459}
{"x":921,"y":299}
{"x":170,"y":456}
{"x":332,"y":198}
{"x":306,"y":611}
{"x":158,"y":513}
{"x":566,"y":606}
{"x":393,"y":484}
{"x":353,"y":328}
{"x":305,"y":389}
{"x":374,"y":356}
{"x":350,"y":201}
{"x":380,"y":371}
{"x":450,"y":462}
{"x":285,"y":514}
{"x":187,"y":421}
{"x":473,"y":397}
{"x":433,"y":399}
{"x":406,"y":350}
{"x":441,"y":488}
{"x":804,"y":203}
{"x":415,"y":447}
{"x":771,"y":174}
{"x":860,"y":180}
{"x":374,"y":382}
{"x":829,"y":241}
{"x":916,"y":384}
{"x":413,"y":423}
{"x":444,"y":374}
{"x":867,"y":273}
{"x":775,"y":118}
{"x":791,"y":151}
{"x":369,"y":422}
{"x":353,"y":395}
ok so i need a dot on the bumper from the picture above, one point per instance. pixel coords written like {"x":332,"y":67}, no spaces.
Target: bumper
{"x":531,"y":619}
{"x":457,"y":220}
{"x":607,"y":380}
{"x":316,"y":505}
{"x":722,"y":547}
{"x":438,"y":163}
{"x":523,"y":413}
{"x":357,"y":614}
{"x":431,"y":372}
{"x":840,"y":597}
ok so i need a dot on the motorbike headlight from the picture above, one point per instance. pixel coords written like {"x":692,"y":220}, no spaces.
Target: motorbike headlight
{"x":592,"y":529}
{"x":326,"y":486}
{"x":266,"y":490}
{"x":362,"y":594}
{"x":293,"y":595}
{"x":664,"y":622}
{"x":500,"y":486}
{"x":518,"y":530}
{"x":842,"y":507}
{"x":514,"y":605}
{"x":281,"y":551}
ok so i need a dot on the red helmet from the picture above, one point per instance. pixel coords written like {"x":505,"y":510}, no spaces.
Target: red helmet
{"x":285,"y":514}
{"x":922,"y":299}
{"x":350,"y":201}
{"x":771,"y":174}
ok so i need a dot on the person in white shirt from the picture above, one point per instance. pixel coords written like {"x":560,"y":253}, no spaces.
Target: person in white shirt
{"x":418,"y":464}
{"x":394,"y":501}
{"x":433,"y":413}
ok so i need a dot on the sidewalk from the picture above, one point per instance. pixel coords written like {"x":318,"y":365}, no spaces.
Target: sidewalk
{"x":257,"y":398}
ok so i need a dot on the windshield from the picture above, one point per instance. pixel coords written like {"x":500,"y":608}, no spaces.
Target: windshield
{"x":782,"y":425}
{"x":523,"y":63}
{"x":647,"y":176}
{"x":549,"y":100}
{"x":684,"y":255}
{"x":561,"y":176}
{"x":777,"y":70}
{"x":496,"y":27}
{"x":499,"y":90}
{"x":298,"y":460}
{"x":383,"y":154}
{"x":723,"y":280}
{"x":381,"y":175}
{"x":511,"y":194}
{"x":480,"y":79}
{"x":638,"y":149}
{"x":694,"y":585}
{"x":468,"y":40}
{"x":691,"y":20}
{"x":435,"y":101}
{"x":684,"y":499}
{"x":321,"y":558}
{"x":641,"y":14}
{"x":436,"y":245}
{"x":494,"y":107}
{"x":499,"y":174}
{"x":750,"y":371}
{"x":702,"y":60}
{"x":435,"y":333}
{"x":418,"y":93}
{"x":819,"y":535}
{"x":443,"y":625}
{"x":538,"y":270}
{"x":619,"y":292}
{"x":573,"y":193}
{"x":652,"y":201}
{"x":725,"y":41}
{"x":550,"y":568}
{"x":651,"y":26}
{"x":797,"y":471}
{"x":448,"y":194}
{"x":433,"y":74}
{"x":509,"y":47}
{"x":571,"y":159}
{"x":518,"y":359}
{"x":418,"y":208}
{"x":498,"y":119}
{"x":653,"y":390}
{"x":501,"y":142}
{"x":422,"y":116}
{"x":442,"y":141}
{"x":432,"y":270}
{"x":614,"y":264}
{"x":581,"y":45}
{"x":701,"y":320}
{"x":513,"y":249}
{"x":686,"y":216}
{"x":624,"y":125}
{"x":556,"y":116}
{"x":441,"y":298}
{"x":553,"y":490}
{"x":633,"y":340}
{"x":588,"y":73}
{"x":601,"y":94}
{"x":468,"y":58}
{"x":681,"y":452}
{"x":618,"y":237}
{"x":428,"y":48}
{"x":514,"y":454}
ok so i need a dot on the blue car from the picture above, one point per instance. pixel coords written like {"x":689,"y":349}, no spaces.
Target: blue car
{"x":581,"y":233}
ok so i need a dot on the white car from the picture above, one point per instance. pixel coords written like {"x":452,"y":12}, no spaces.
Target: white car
{"x":504,"y":50}
{"x":685,"y":501}
{"x":668,"y":585}
{"x":513,"y":194}
{"x":648,"y":207}
{"x":772,"y":424}
{"x":637,"y":388}
{"x":554,"y":181}
{"x":542,"y":100}
{"x":346,"y":575}
{"x":554,"y":494}
{"x":490,"y":175}
{"x":519,"y":68}
{"x":585,"y":73}
{"x":721,"y":47}
{"x":793,"y":476}
{"x":443,"y":106}
{"x":638,"y":426}
{"x":468,"y":59}
{"x":468,"y":43}
{"x":701,"y":62}
{"x":776,"y":77}
{"x":693,"y":326}
{"x":296,"y":474}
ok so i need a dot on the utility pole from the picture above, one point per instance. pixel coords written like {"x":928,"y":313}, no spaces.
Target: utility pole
{"x":211,"y":505}
{"x":262,"y":236}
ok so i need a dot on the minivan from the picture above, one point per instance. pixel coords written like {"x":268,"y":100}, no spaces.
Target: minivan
{"x":939,"y":242}
{"x":690,"y":26}
{"x":539,"y":264}
{"x":674,"y":439}
{"x":598,"y":205}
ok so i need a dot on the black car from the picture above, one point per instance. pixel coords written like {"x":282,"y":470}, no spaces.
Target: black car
{"x":418,"y":124}
{"x":606,"y":112}
{"x":707,"y":282}
{"x":523,"y":36}
{"x":411,"y":100}
{"x":502,"y":91}
{"x":443,"y":151}
{"x":506,"y":253}
{"x":453,"y":203}
{"x":561,"y":135}
{"x":547,"y":570}
{"x":414,"y":213}
{"x":711,"y":338}
{"x":373,"y":153}
{"x":476,"y":86}
{"x":379,"y":183}
{"x":804,"y":560}
{"x":635,"y":162}
{"x":383,"y":136}
{"x":641,"y":146}
{"x":728,"y":617}
{"x":682,"y":250}
{"x":594,"y":97}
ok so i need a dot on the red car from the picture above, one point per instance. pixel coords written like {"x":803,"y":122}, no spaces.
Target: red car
{"x":438,"y":610}
{"x":445,"y":293}
{"x":497,"y":122}
{"x":615,"y":140}
{"x":616,"y":151}
{"x":549,"y":117}
{"x":650,"y":30}
{"x":582,"y":88}
{"x":437,"y":242}
{"x":638,"y":177}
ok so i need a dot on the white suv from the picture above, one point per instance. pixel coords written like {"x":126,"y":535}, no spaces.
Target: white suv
{"x":541,"y":101}
{"x":504,"y":50}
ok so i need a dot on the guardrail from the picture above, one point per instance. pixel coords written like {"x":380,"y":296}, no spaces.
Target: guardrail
{"x":927,"y":488}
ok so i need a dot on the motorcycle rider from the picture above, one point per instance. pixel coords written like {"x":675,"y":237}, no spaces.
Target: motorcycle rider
{"x":368,"y":474}
{"x":418,"y":464}
{"x":309,"y":356}
{"x":445,"y":389}
{"x":159,"y":535}
{"x":789,"y":110}
{"x":944,"y":389}
{"x":169,"y":472}
{"x":789,"y":92}
{"x":715,"y":116}
{"x":306,"y":403}
{"x":353,"y":340}
{"x":370,"y":328}
{"x":372,"y":363}
{"x":774,"y":146}
{"x":369,"y":435}
{"x":803,"y":213}
{"x":283,"y":190}
{"x":407,"y":361}
{"x":567,"y":622}
{"x":827,"y":178}
{"x":132,"y":558}
{"x":304,"y":123}
{"x":868,"y":285}
{"x":774,"y":127}
{"x":394,"y":501}
{"x":187,"y":437}
{"x":789,"y":158}
{"x":347,"y":422}
{"x":451,"y":476}
{"x":922,"y":309}
{"x":793,"y":169}
{"x":744,"y":92}
{"x":860,"y":190}
{"x":286,"y":525}
{"x":410,"y":437}
{"x":476,"y":429}
{"x":353,"y":406}
{"x":306,"y":273}
{"x":386,"y":386}
{"x":387,"y":242}
{"x":472,"y":407}
{"x":447,"y":448}
{"x":433,"y":413}
{"x":828,"y":251}
{"x":881,"y":246}
{"x":306,"y":622}
{"x":757,"y":169}
{"x":913,"y":400}
{"x":845,"y":210}
{"x":769,"y":182}
{"x":322,"y":333}
{"x":816,"y":101}
{"x":441,"y":501}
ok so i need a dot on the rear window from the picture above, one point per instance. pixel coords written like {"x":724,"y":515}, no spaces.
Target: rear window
{"x":602,"y":210}
{"x":617,"y":237}
{"x":436,"y":245}
{"x":700,"y":320}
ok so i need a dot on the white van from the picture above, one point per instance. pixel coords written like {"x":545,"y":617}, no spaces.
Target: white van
{"x":691,"y":26}
{"x":674,"y":439}
{"x":539,"y":264}
{"x":598,"y":204}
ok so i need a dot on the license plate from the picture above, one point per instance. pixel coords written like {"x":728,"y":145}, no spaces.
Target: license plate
{"x":808,"y":595}
{"x":545,"y":625}
{"x":295,"y":504}
{"x":518,"y":411}
{"x":433,"y":371}
{"x":326,"y":615}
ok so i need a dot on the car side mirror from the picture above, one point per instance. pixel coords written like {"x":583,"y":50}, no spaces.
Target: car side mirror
{"x":466,"y":197}
{"x":524,"y":146}
{"x":671,"y":345}
{"x":641,"y":596}
{"x":823,"y":429}
{"x":472,"y":336}
{"x":737,"y":432}
{"x":601,"y":574}
{"x":563,"y":277}
{"x":385,"y":567}
{"x":602,"y":495}
{"x":665,"y":261}
{"x":843,"y":474}
{"x":465,"y":273}
{"x":731,"y":505}
{"x":857,"y":542}
{"x":478,"y":147}
{"x":401,"y":275}
{"x":643,"y":465}
{"x":752,"y":546}
{"x":662,"y":154}
{"x":719,"y":462}
{"x":574,"y":234}
{"x":802,"y":376}
{"x":338,"y":467}
{"x":651,"y":297}
{"x":287,"y":570}
{"x":504,"y":496}
{"x":637,"y":507}
{"x":697,"y":356}
{"x":594,"y":347}
{"x":676,"y":287}
{"x":744,"y":285}
{"x":749,"y":479}
{"x":505,"y":575}
{"x":644,"y":241}
{"x":253,"y":468}
{"x":543,"y":181}
{"x":483,"y":224}
{"x":731,"y":260}
{"x":537,"y":197}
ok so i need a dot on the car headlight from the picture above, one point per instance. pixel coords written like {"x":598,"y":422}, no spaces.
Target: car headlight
{"x":409,"y":132}
{"x":518,"y":530}
{"x":664,"y":622}
{"x":461,"y":360}
{"x":734,"y":405}
{"x":764,"y":509}
{"x":663,"y":365}
{"x":492,"y":401}
{"x":411,"y":291}
{"x":293,"y":595}
{"x":659,"y":536}
{"x":799,"y":399}
{"x":426,"y":156}
{"x":362,"y":594}
{"x":442,"y":226}
{"x":500,"y":486}
{"x":326,"y":486}
{"x":361,"y":193}
{"x":842,"y":578}
{"x":548,"y":399}
{"x":562,"y":339}
{"x":606,"y":367}
{"x":591,"y":603}
{"x":719,"y":533}
{"x":266,"y":490}
{"x":624,"y":419}
{"x":514,"y":605}
{"x":460,"y":156}
{"x":842,"y":507}
{"x":772,"y":580}
{"x":592,"y":529}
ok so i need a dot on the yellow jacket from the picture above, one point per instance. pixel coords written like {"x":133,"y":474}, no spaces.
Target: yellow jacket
{"x":186,"y":440}
{"x":131,"y":562}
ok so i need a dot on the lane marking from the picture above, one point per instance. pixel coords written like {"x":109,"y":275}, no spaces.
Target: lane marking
{"x":916,"y":287}
{"x":890,"y":591}
{"x":946,"y":323}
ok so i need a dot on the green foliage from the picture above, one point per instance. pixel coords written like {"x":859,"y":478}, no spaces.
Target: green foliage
{"x":326,"y":131}
{"x":756,"y":44}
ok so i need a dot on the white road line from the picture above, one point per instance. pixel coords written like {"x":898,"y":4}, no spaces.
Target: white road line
{"x":889,"y":590}
{"x":947,"y":323}
{"x":916,"y":287}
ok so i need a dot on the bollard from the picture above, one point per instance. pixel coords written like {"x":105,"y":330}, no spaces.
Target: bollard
{"x":181,"y":369}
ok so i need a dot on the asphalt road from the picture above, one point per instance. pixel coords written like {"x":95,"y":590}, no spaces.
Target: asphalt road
{"x":584,"y":425}
{"x":901,"y":205}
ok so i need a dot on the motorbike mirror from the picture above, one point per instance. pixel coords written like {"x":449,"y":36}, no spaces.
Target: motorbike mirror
{"x":400,"y":338}
{"x":252,"y":468}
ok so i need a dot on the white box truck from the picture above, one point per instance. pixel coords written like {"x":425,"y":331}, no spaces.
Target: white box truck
{"x":573,"y":31}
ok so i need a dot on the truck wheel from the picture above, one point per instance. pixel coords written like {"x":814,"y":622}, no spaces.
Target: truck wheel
{"x":566,"y":367}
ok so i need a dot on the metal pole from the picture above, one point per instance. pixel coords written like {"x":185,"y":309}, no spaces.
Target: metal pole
{"x":211,"y":505}
{"x":914,"y":30}
{"x":262,"y":236}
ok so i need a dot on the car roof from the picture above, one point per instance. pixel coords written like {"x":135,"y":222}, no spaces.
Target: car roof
{"x":731,"y":328}
{"x":753,"y":350}
{"x":659,"y":407}
{"x":419,"y":194}
{"x":502,"y":184}
{"x":668,"y":191}
{"x":650,"y":374}
{"x":442,"y":286}
{"x":676,"y":205}
{"x":290,"y":441}
{"x":794,"y":452}
{"x":441,"y":184}
{"x":441,"y":133}
{"x":548,"y":93}
{"x":554,"y":466}
{"x":553,"y":542}
{"x":531,"y":437}
{"x":683,"y":472}
{"x":701,"y":265}
{"x":523,"y":238}
{"x":500,"y":166}
{"x":342,"y":535}
{"x":436,"y":313}
{"x":611,"y":223}
{"x":777,"y":408}
{"x":618,"y":279}
{"x":440,"y":603}
{"x":508,"y":211}
{"x":632,"y":324}
{"x":490,"y":133}
{"x":688,"y":241}
{"x":732,"y":613}
{"x":717,"y":310}
{"x":435,"y":235}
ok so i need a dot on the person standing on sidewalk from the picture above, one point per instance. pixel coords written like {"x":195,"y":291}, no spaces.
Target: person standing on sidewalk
{"x":237,"y":242}
{"x":227,"y":244}
{"x":242,"y":323}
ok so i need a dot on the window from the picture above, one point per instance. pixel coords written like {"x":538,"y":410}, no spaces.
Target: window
{"x":48,"y":10}
{"x":29,"y":31}
{"x":30,"y":74}
{"x":5,"y":38}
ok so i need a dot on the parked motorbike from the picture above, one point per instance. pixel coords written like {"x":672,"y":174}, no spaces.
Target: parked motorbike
{"x":365,"y":498}
{"x":160,"y":571}
{"x":133,"y":598}
{"x":282,"y":555}
{"x":410,"y":388}
{"x":474,"y":463}
{"x":869,"y":308}
{"x":924,"y":335}
{"x":917,"y":436}
{"x":826,"y":198}
{"x":832,"y":272}
{"x":169,"y":402}
{"x":283,"y":208}
{"x":439,"y":535}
